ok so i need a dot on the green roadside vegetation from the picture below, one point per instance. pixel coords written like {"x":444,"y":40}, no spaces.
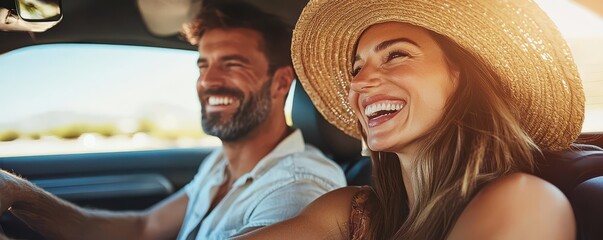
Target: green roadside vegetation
{"x":9,"y":135}
{"x":149,"y":127}
{"x":74,"y":131}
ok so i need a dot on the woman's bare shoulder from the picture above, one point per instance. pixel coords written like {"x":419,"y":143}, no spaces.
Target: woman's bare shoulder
{"x":517,"y":206}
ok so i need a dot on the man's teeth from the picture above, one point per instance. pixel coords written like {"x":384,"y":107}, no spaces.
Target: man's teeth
{"x":373,"y":109}
{"x":220,"y":101}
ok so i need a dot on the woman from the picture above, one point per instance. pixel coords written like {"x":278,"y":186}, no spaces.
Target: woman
{"x":453,"y":98}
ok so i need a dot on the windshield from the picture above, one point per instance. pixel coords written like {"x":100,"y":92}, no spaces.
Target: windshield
{"x":66,"y":98}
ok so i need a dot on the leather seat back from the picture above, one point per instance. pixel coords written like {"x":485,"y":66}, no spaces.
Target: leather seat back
{"x":578,"y":173}
{"x":587,"y":202}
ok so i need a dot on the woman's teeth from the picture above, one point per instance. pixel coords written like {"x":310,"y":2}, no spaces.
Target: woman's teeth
{"x":378,"y":109}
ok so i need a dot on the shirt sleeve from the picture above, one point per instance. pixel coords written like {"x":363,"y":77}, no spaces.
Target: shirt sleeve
{"x":284,"y":203}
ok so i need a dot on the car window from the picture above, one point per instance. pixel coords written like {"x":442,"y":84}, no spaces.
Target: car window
{"x":583,"y":30}
{"x":79,"y":98}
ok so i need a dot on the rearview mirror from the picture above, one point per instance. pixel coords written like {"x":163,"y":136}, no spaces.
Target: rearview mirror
{"x":29,"y":15}
{"x":39,"y":10}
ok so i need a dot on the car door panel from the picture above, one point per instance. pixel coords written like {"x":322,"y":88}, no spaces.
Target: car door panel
{"x":107,"y":187}
{"x":112,"y":181}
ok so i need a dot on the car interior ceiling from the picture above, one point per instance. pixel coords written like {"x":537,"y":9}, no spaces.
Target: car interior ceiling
{"x":119,"y":22}
{"x":578,"y":172}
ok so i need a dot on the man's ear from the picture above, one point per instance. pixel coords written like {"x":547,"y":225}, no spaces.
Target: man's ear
{"x":282,"y":80}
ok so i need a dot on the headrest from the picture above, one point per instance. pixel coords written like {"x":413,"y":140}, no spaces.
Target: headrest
{"x":586,"y":201}
{"x":318,"y":132}
{"x":567,"y":169}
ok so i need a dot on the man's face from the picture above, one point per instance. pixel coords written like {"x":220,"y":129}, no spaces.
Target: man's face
{"x":234,"y":83}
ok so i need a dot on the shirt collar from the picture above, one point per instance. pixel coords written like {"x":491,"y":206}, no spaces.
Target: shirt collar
{"x":293,"y":143}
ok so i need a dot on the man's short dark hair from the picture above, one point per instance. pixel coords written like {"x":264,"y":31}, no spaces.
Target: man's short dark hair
{"x":276,"y":33}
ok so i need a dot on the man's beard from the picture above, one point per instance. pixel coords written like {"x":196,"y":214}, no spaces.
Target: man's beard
{"x":248,"y":116}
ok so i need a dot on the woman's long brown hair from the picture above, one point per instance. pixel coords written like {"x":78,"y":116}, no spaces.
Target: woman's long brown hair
{"x":478,"y":140}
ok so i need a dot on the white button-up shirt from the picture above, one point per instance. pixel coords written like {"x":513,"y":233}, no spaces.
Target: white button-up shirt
{"x":278,"y":188}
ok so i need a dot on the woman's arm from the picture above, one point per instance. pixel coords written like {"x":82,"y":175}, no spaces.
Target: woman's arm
{"x":325,"y":218}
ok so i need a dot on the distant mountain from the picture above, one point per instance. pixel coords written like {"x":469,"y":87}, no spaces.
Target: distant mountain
{"x":44,"y":121}
{"x":156,"y":112}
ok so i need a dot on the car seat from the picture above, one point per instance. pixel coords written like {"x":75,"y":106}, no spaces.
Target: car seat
{"x":578,"y":173}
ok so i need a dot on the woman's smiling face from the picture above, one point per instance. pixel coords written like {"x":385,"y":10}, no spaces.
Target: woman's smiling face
{"x":401,"y":84}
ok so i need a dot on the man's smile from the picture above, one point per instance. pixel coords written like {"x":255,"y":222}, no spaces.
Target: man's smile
{"x":222,"y":103}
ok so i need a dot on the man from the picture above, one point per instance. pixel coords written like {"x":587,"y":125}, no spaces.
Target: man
{"x":264,"y":173}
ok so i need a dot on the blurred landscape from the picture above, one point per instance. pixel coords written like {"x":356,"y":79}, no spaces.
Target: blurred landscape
{"x":112,"y":98}
{"x":154,"y":126}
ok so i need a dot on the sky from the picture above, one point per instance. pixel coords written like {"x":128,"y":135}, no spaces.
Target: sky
{"x":94,"y":79}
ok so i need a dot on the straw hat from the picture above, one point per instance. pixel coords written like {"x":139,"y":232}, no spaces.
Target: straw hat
{"x":514,"y":37}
